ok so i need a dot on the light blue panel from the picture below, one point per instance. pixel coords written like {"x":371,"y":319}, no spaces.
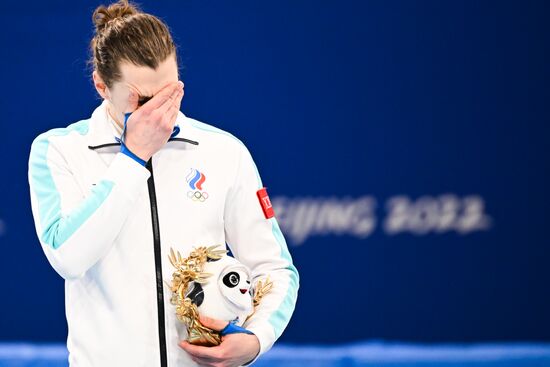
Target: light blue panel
{"x":55,"y":228}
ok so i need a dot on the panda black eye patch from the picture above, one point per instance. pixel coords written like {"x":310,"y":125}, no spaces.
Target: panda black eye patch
{"x":231,"y":279}
{"x":196,"y":295}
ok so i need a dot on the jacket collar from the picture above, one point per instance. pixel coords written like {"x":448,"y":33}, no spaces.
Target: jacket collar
{"x":102,"y":132}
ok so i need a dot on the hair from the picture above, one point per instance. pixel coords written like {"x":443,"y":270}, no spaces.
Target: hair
{"x":123,"y":33}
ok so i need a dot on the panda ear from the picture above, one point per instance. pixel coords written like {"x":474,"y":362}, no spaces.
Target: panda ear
{"x":197,"y":294}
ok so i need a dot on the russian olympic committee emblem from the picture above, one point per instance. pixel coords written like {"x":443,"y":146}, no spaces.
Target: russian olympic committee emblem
{"x":195,"y":179}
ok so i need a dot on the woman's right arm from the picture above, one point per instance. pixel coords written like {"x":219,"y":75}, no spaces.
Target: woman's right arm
{"x":76,"y":230}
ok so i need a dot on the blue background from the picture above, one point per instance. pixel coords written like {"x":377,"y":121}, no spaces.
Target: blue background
{"x":334,"y":100}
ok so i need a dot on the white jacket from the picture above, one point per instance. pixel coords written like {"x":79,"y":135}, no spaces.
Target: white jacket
{"x":106,"y":224}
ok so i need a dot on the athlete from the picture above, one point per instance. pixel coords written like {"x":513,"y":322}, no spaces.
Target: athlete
{"x":112,"y":194}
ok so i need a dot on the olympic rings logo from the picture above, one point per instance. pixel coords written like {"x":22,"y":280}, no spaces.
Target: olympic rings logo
{"x":197,"y":195}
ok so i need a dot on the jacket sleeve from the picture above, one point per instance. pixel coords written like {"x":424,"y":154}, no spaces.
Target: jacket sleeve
{"x":258,"y":243}
{"x":76,"y":229}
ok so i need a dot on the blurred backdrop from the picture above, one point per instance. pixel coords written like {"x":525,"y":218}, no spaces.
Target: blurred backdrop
{"x":404,"y":145}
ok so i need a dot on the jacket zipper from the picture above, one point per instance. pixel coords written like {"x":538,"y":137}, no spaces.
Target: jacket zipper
{"x":158,"y":264}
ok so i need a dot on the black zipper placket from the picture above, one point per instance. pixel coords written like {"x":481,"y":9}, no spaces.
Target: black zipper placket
{"x":158,"y":264}
{"x":156,"y":244}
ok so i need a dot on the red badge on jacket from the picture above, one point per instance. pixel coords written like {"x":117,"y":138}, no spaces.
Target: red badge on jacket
{"x":265,"y":203}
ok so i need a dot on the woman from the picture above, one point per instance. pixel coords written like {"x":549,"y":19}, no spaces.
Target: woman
{"x":111,"y":194}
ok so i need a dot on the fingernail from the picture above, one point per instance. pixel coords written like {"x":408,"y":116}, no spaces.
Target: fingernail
{"x":180,"y":84}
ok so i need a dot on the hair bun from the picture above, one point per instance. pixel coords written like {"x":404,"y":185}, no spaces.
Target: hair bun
{"x":103,"y":15}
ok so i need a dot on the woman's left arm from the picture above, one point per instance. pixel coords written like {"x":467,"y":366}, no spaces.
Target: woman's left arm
{"x":256,"y":240}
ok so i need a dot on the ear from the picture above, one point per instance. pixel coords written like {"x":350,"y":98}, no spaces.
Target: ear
{"x":100,"y":86}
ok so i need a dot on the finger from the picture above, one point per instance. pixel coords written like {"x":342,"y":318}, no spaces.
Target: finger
{"x":198,"y":351}
{"x":172,"y":114}
{"x":177,"y":102}
{"x":171,"y":90}
{"x":171,"y":101}
{"x":179,"y":95}
{"x":179,"y":98}
{"x":213,"y":324}
{"x":168,"y":119}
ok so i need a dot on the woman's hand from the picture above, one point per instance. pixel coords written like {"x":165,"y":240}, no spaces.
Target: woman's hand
{"x":235,"y":349}
{"x":150,"y":126}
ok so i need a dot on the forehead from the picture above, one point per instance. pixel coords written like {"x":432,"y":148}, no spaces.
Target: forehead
{"x":147,"y":81}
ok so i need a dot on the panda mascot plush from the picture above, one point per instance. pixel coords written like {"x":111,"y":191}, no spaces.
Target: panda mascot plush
{"x":210,"y":283}
{"x":227,"y":295}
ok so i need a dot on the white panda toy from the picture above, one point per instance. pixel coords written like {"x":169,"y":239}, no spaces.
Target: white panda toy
{"x":212,"y":284}
{"x":227,"y":294}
